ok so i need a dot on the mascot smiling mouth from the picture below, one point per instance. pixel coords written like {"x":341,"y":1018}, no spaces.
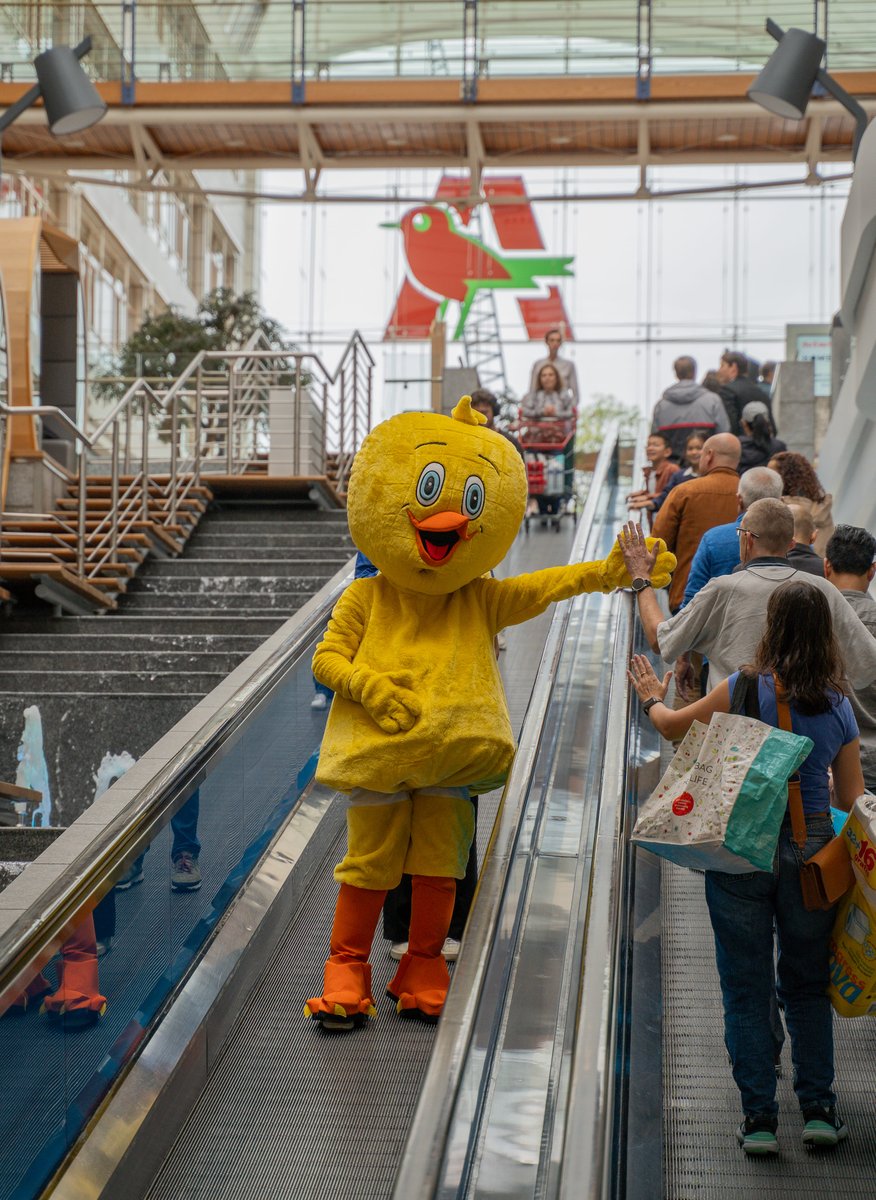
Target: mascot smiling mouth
{"x":439,"y":535}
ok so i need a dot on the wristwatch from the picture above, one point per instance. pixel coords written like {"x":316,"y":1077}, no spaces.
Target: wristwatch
{"x":639,"y":585}
{"x":649,"y":704}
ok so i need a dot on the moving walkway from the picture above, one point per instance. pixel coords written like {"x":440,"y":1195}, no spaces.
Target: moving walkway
{"x":579,"y":1054}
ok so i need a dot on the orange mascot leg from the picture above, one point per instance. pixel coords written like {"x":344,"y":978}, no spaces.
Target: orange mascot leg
{"x":347,"y":1000}
{"x":421,"y":981}
{"x":78,"y":999}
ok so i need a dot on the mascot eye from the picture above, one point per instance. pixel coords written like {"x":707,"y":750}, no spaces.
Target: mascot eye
{"x":422,"y":222}
{"x":473,"y":499}
{"x":430,"y":483}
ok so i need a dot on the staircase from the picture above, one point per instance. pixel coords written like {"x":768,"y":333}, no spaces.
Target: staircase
{"x":255,"y":422}
{"x":44,"y":548}
{"x":118,"y":682}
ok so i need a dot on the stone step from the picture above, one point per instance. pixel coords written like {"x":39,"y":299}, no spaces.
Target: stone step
{"x":155,"y":659}
{"x":107,"y":683}
{"x":236,"y":646}
{"x":259,"y":569}
{"x":265,"y":514}
{"x":185,"y":623}
{"x":252,"y":550}
{"x":197,"y":584}
{"x":187,"y":604}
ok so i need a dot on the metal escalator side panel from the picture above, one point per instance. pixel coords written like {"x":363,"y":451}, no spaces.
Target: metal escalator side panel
{"x":445,"y":1135}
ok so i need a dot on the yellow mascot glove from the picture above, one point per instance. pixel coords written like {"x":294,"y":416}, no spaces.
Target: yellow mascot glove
{"x":387,"y":698}
{"x":614,"y":574}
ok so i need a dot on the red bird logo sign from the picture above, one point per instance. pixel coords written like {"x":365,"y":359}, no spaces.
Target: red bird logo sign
{"x":446,"y":264}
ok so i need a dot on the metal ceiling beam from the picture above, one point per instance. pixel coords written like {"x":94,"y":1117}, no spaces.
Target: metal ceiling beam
{"x":55,"y":165}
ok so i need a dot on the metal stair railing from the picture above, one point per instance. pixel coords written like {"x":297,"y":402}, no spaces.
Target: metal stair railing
{"x":79,"y":529}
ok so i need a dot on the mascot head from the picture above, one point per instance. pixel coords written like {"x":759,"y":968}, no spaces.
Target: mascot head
{"x":436,"y":501}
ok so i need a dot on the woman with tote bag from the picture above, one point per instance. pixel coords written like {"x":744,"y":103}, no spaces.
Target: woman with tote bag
{"x":799,"y":656}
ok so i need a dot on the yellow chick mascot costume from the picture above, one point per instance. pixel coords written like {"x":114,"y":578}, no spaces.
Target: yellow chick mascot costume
{"x":419,"y":719}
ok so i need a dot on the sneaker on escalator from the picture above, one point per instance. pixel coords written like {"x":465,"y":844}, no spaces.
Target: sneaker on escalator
{"x":823,"y":1127}
{"x":185,"y":875}
{"x":757,"y":1134}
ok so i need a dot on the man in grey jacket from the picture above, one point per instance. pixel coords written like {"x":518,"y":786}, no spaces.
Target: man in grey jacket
{"x":725,"y":621}
{"x":687,"y":407}
{"x":849,"y":566}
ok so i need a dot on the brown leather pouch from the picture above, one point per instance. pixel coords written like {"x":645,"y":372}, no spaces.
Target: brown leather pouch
{"x":827,"y":875}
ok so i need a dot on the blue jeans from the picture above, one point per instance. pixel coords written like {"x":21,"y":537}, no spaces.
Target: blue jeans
{"x":185,"y":830}
{"x":743,"y":911}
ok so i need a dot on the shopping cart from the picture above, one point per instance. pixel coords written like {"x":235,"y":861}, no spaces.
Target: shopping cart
{"x":548,"y":452}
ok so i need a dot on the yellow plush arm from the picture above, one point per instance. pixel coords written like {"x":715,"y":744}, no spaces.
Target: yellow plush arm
{"x":512,"y":601}
{"x":386,"y":696}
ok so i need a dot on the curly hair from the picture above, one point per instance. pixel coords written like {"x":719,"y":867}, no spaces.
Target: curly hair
{"x":800,"y":648}
{"x":798,"y":475}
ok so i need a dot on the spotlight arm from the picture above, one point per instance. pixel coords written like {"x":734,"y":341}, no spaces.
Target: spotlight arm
{"x":830,"y":85}
{"x":14,"y":111}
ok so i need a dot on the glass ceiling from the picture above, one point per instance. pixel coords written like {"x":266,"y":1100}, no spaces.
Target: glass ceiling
{"x":382,"y":39}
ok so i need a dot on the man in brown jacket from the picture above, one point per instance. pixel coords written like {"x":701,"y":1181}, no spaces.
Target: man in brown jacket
{"x":698,"y":505}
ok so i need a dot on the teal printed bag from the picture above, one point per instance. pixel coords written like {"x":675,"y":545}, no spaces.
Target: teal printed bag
{"x":721,"y":802}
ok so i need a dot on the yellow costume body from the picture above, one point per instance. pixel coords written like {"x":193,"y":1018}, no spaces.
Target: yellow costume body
{"x":419,"y":717}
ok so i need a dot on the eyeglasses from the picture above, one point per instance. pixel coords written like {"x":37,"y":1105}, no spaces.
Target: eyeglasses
{"x":740,"y":529}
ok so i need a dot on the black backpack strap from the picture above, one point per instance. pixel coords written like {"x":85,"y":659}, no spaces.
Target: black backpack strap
{"x":744,"y":701}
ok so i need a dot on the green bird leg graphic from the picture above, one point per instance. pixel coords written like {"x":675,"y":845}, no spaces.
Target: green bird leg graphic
{"x":523,"y":274}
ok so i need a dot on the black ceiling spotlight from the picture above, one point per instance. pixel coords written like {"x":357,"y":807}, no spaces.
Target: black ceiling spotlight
{"x":71,"y":99}
{"x":785,"y":84}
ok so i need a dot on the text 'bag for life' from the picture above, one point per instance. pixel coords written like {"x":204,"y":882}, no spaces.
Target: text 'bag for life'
{"x":720,"y":804}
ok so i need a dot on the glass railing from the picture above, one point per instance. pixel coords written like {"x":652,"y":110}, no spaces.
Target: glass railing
{"x":502,"y":1083}
{"x":187,"y":40}
{"x":229,"y":775}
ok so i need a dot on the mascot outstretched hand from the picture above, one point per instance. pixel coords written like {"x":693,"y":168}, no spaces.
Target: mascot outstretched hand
{"x":419,"y":720}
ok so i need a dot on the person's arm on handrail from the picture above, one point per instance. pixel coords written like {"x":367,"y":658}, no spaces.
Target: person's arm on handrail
{"x":674,"y":723}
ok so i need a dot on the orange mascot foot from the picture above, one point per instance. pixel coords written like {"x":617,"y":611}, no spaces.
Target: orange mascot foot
{"x":419,"y":987}
{"x":78,"y":1000}
{"x":422,"y":979}
{"x":346,"y":1001}
{"x":38,"y":987}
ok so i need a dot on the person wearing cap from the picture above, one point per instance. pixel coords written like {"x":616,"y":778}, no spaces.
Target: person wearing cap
{"x":758,"y":443}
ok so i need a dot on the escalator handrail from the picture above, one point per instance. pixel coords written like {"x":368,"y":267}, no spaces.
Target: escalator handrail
{"x":586,"y":1161}
{"x":35,"y":934}
{"x":589,"y":1130}
{"x":421,"y":1164}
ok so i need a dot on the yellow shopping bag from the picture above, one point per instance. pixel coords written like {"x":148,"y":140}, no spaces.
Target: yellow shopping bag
{"x":852,"y":987}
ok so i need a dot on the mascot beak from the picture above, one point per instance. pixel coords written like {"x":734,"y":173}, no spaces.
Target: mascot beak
{"x":439,"y":535}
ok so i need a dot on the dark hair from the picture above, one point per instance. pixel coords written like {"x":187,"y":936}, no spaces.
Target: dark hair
{"x":698,"y":435}
{"x":734,"y":358}
{"x":664,"y":438}
{"x":761,"y":432}
{"x":767,"y":368}
{"x":556,"y":329}
{"x":851,"y":550}
{"x":485,"y":396}
{"x":799,"y":646}
{"x":798,"y":475}
{"x":711,"y":381}
{"x":685,"y":367}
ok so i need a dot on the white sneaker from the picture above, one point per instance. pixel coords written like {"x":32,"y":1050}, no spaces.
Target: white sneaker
{"x":451,"y":949}
{"x":320,"y":700}
{"x":398,"y":950}
{"x":501,"y":641}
